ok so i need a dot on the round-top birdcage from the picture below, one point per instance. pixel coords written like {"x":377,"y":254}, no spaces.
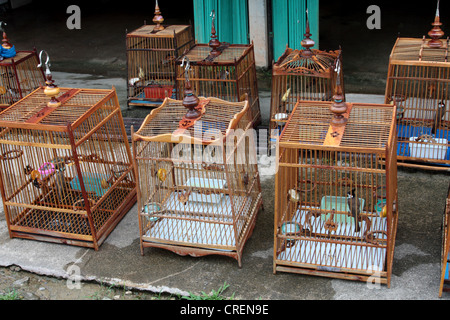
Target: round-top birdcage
{"x":199,"y":190}
{"x":222,"y":70}
{"x":305,"y":74}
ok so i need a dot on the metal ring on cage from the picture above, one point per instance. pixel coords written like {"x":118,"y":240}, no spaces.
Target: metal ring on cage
{"x":16,"y":153}
{"x":150,"y":209}
{"x":371,"y":239}
{"x":291,"y":228}
{"x":76,"y":206}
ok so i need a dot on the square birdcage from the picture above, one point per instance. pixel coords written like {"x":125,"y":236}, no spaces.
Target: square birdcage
{"x":306,"y":74}
{"x":65,"y":166}
{"x":336,"y":191}
{"x":445,"y":258}
{"x":19,"y":72}
{"x":151,"y":54}
{"x":418,"y":83}
{"x":222,"y":70}
{"x":199,"y":189}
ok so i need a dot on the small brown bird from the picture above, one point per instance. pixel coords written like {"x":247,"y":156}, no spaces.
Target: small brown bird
{"x":183,"y":197}
{"x":438,"y":117}
{"x":354,"y":206}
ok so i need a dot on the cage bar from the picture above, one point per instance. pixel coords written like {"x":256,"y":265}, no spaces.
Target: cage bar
{"x":65,"y":166}
{"x":19,"y":74}
{"x":336,"y":191}
{"x":151,"y":54}
{"x":222,"y":70}
{"x":445,"y":258}
{"x":199,"y":189}
{"x":307,"y":74}
{"x":418,"y":83}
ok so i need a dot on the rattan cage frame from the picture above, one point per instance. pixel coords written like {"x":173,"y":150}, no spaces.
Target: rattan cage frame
{"x":222,"y":70}
{"x":306,"y":74}
{"x":151,"y":54}
{"x":444,"y":285}
{"x":418,"y":82}
{"x":328,"y":163}
{"x":20,"y":70}
{"x":217,"y":217}
{"x":62,"y":201}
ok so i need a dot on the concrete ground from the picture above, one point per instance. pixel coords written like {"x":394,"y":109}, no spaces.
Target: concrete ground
{"x":416,"y":270}
{"x":94,"y":58}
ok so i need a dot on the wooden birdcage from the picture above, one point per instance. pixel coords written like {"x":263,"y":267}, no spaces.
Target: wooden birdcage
{"x":307,"y":74}
{"x":199,"y":190}
{"x":445,"y":258}
{"x":418,"y":83}
{"x":222,"y":70}
{"x":151,"y":54}
{"x":66,"y":172}
{"x":19,"y":74}
{"x":336,"y":191}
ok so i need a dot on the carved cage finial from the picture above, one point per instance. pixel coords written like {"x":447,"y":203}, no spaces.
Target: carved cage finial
{"x":436,"y":32}
{"x":158,"y":18}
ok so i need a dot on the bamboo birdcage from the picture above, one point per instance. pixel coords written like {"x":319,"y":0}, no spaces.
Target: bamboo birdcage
{"x":151,"y":54}
{"x":199,"y":190}
{"x":336,"y":191}
{"x":222,"y":70}
{"x":419,"y":84}
{"x":307,"y":74}
{"x":65,"y":166}
{"x":445,"y":258}
{"x":19,"y":75}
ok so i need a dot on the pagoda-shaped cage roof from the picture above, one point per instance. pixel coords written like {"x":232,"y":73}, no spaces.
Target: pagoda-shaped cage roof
{"x":163,"y":123}
{"x":415,"y":50}
{"x":309,"y":62}
{"x":369,"y":126}
{"x":76,"y":104}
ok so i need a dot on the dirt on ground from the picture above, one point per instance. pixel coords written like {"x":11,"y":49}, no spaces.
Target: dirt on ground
{"x":17,"y":284}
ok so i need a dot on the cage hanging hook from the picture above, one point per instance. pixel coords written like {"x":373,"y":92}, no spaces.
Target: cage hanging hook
{"x":186,"y":62}
{"x":2,"y":24}
{"x":47,"y":62}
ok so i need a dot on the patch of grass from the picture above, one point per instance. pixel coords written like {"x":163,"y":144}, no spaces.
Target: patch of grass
{"x":214,"y":295}
{"x":10,"y":295}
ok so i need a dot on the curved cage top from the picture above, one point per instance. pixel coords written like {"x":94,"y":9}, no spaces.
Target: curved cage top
{"x":33,"y":109}
{"x":316,"y":63}
{"x":147,"y":31}
{"x":229,"y":54}
{"x":219,"y":116}
{"x":368,"y":126}
{"x":418,"y":50}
